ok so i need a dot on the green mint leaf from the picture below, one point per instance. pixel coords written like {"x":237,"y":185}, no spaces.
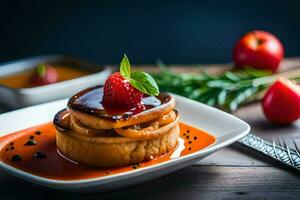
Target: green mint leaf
{"x":125,"y":67}
{"x":139,"y":80}
{"x":144,"y":82}
{"x":41,"y":70}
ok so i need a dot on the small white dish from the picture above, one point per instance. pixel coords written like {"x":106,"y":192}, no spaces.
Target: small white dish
{"x":226,"y":128}
{"x":22,"y":97}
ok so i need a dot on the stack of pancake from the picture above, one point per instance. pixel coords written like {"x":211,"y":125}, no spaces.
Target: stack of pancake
{"x":88,"y":134}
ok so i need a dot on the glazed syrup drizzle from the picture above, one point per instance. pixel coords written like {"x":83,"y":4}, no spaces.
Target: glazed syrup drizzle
{"x":89,"y":101}
{"x":50,"y":164}
{"x":62,"y":120}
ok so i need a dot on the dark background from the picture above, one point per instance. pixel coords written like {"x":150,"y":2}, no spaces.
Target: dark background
{"x":174,"y":31}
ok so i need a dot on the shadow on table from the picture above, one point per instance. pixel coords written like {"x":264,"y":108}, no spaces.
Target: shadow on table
{"x":196,"y":182}
{"x":169,"y":187}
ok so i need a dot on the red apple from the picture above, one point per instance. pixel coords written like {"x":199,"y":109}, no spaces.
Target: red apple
{"x":258,"y":49}
{"x":281,"y":103}
{"x":44,"y":75}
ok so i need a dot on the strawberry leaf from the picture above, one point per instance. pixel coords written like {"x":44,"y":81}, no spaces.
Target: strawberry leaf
{"x":144,"y":82}
{"x":139,"y":80}
{"x":125,"y":67}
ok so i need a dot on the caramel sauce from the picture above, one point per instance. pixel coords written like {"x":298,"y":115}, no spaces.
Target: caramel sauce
{"x":43,"y":159}
{"x":22,"y":80}
{"x":90,"y":101}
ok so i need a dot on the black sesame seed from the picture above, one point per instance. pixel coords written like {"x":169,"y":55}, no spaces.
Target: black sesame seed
{"x":12,"y":148}
{"x":38,"y":132}
{"x":195,"y":138}
{"x":190,"y":148}
{"x":40,"y":154}
{"x":184,"y":134}
{"x":190,"y":142}
{"x":188,"y":131}
{"x":107,"y":172}
{"x":11,"y":143}
{"x":30,"y":143}
{"x":7,"y":149}
{"x":126,"y":116}
{"x":31,"y":137}
{"x":16,"y":158}
{"x":188,"y":137}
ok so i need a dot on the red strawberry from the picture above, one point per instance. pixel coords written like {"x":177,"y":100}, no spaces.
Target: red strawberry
{"x":44,"y":75}
{"x":118,"y":93}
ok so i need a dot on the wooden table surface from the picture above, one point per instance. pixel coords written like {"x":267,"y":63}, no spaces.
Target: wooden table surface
{"x":231,"y":173}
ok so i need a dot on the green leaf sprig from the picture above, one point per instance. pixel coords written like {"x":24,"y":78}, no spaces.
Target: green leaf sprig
{"x":227,"y":90}
{"x":41,"y":70}
{"x":142,"y":81}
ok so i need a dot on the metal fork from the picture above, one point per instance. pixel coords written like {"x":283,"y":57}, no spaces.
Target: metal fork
{"x":279,"y":151}
{"x":288,"y":154}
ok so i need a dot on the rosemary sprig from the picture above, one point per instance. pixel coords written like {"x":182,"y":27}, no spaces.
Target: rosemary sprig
{"x":227,"y":90}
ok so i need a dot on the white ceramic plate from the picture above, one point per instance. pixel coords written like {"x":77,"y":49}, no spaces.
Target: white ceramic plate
{"x":226,"y":128}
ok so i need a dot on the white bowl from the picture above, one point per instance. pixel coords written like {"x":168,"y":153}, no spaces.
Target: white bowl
{"x":226,"y":128}
{"x":21,"y":97}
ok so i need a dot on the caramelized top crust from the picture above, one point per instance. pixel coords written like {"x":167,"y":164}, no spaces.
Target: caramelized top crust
{"x":89,"y":102}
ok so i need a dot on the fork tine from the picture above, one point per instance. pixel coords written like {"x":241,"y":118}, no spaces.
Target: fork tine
{"x":288,"y":151}
{"x":279,"y":142}
{"x":284,"y":143}
{"x":296,"y":147}
{"x":274,"y":148}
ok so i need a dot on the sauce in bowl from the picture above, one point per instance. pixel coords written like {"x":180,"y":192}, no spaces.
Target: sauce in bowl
{"x":23,"y":79}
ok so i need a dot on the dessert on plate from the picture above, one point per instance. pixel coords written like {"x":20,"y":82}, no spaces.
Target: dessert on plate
{"x":124,"y":122}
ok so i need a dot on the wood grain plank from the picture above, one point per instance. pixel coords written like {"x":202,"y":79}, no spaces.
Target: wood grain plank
{"x":232,"y":156}
{"x":197,"y":182}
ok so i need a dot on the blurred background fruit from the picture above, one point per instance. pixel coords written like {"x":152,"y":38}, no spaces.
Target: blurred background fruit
{"x":44,"y":75}
{"x":281,"y":103}
{"x":258,"y":49}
